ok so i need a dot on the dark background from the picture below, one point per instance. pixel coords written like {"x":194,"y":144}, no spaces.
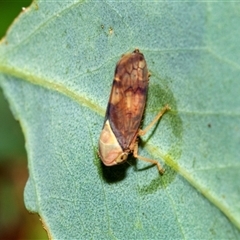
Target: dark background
{"x":15,"y":221}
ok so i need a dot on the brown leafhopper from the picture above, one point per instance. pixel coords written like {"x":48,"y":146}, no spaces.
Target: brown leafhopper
{"x":121,"y":129}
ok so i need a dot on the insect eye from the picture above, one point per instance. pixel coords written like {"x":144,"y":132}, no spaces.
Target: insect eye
{"x":122,"y":158}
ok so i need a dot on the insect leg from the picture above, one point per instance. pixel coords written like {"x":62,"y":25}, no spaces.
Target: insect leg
{"x":160,"y":114}
{"x":135,"y":154}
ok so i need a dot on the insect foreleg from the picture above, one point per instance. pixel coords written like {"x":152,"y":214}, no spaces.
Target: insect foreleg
{"x":135,"y":154}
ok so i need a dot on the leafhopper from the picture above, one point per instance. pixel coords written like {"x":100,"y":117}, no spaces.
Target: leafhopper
{"x":121,"y":129}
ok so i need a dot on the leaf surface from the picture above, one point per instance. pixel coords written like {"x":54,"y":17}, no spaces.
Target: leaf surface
{"x":57,"y":63}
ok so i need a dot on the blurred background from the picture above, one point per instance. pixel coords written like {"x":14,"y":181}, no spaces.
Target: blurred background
{"x":15,"y":221}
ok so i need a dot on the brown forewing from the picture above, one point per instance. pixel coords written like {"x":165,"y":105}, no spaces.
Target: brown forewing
{"x":128,"y":97}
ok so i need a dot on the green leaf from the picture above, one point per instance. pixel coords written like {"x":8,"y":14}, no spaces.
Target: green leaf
{"x":57,"y":63}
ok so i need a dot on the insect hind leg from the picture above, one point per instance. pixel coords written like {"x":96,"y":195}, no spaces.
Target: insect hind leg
{"x":160,"y":114}
{"x":135,"y":154}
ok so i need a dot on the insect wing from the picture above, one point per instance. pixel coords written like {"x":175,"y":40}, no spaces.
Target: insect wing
{"x":128,"y":96}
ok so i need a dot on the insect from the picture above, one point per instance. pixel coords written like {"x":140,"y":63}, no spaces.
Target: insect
{"x":121,"y":129}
